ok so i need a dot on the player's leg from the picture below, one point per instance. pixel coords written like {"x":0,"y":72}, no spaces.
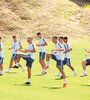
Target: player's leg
{"x":48,"y":56}
{"x":1,"y":69}
{"x":85,"y":63}
{"x":42,"y":62}
{"x":20,"y":66}
{"x":60,"y":67}
{"x":71,"y":67}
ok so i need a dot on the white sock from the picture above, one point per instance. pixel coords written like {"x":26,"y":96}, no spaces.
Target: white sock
{"x":64,"y":80}
{"x":8,"y":69}
{"x":74,"y":71}
{"x":59,"y":72}
{"x":17,"y":64}
{"x":47,"y":63}
{"x":84,"y":71}
{"x":0,"y":72}
{"x":29,"y":80}
{"x":23,"y":68}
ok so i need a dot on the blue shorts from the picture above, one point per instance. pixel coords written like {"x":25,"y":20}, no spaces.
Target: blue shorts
{"x":28,"y":59}
{"x":14,"y":57}
{"x":1,"y":60}
{"x":54,"y":57}
{"x":59,"y":62}
{"x":88,"y":61}
{"x":67,"y":62}
{"x":42,"y":55}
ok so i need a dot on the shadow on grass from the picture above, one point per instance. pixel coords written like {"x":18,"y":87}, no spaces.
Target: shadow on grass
{"x":23,"y":84}
{"x":37,"y":75}
{"x":61,"y":78}
{"x":54,"y":88}
{"x":12,"y":72}
{"x":85,"y":85}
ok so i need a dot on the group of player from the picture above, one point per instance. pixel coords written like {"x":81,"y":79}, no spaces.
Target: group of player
{"x":60,"y":54}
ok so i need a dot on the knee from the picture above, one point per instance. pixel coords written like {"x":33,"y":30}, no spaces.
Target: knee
{"x":40,"y":61}
{"x":19,"y":55}
{"x":47,"y":55}
{"x":83,"y":62}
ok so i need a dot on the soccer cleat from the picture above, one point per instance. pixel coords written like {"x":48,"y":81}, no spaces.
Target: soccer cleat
{"x":1,"y":74}
{"x":27,"y":83}
{"x":64,"y":85}
{"x":47,"y":67}
{"x":57,"y":74}
{"x":43,"y":73}
{"x":15,"y":66}
{"x":83,"y":75}
{"x":61,"y":77}
{"x":75,"y":74}
{"x":7,"y":71}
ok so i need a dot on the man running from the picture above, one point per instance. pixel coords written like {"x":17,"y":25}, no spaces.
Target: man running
{"x":1,"y":57}
{"x":57,"y":55}
{"x":15,"y":46}
{"x":28,"y":58}
{"x":85,"y":63}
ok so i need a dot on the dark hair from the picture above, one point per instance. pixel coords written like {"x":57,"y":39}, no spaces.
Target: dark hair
{"x":55,"y":37}
{"x":14,"y":36}
{"x":60,"y":37}
{"x":65,"y":38}
{"x":0,"y":38}
{"x":38,"y":33}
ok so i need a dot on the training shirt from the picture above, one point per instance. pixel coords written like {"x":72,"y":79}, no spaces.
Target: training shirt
{"x":67,"y":55}
{"x":15,"y":45}
{"x":42,"y":41}
{"x":31,"y":47}
{"x":59,"y":54}
{"x":1,"y":52}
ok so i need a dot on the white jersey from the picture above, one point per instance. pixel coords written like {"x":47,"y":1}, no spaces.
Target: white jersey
{"x":65,"y":48}
{"x":15,"y":46}
{"x":1,"y":52}
{"x":67,"y":55}
{"x":42,"y":41}
{"x":31,"y":47}
{"x":59,"y":54}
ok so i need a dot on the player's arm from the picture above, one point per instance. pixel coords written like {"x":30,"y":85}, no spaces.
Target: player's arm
{"x":0,"y":49}
{"x":11,"y":48}
{"x":26,"y":50}
{"x":61,"y":49}
{"x":42,"y":44}
{"x":87,"y":54}
{"x":20,"y":46}
{"x":87,"y":50}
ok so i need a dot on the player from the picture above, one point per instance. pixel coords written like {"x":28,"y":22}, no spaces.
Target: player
{"x":1,"y":57}
{"x":57,"y":55}
{"x":64,"y":47}
{"x":29,"y":58}
{"x":67,"y":55}
{"x":85,"y":63}
{"x":42,"y":52}
{"x":15,"y":46}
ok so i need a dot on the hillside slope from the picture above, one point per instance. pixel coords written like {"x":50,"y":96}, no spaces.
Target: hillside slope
{"x":47,"y":16}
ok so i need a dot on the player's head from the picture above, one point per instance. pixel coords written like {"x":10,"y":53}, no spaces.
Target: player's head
{"x":39,"y":35}
{"x":61,"y":39}
{"x":65,"y":39}
{"x":54,"y":39}
{"x":0,"y":38}
{"x":30,"y":39}
{"x":14,"y":38}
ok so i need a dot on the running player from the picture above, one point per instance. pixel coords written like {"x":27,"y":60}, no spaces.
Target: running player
{"x":1,"y":57}
{"x":64,"y":47}
{"x":29,"y":58}
{"x":41,"y":45}
{"x":15,"y":46}
{"x":67,"y":55}
{"x":57,"y":55}
{"x":85,"y":63}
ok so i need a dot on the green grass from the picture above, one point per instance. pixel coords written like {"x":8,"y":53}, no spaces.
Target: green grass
{"x":46,"y":87}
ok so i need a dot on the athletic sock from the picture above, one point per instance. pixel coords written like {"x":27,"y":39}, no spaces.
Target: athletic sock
{"x":74,"y":71}
{"x":29,"y":80}
{"x":84,"y":71}
{"x":8,"y":69}
{"x":64,"y":80}
{"x":17,"y":64}
{"x":0,"y":72}
{"x":47,"y":63}
{"x":23,"y":68}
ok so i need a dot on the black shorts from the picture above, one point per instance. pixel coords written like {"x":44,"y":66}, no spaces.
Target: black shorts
{"x":88,"y":61}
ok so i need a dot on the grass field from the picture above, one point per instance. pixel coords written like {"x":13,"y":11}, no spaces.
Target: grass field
{"x":47,"y":87}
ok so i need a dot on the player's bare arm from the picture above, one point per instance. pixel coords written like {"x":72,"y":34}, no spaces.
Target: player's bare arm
{"x":87,"y":50}
{"x":0,"y":49}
